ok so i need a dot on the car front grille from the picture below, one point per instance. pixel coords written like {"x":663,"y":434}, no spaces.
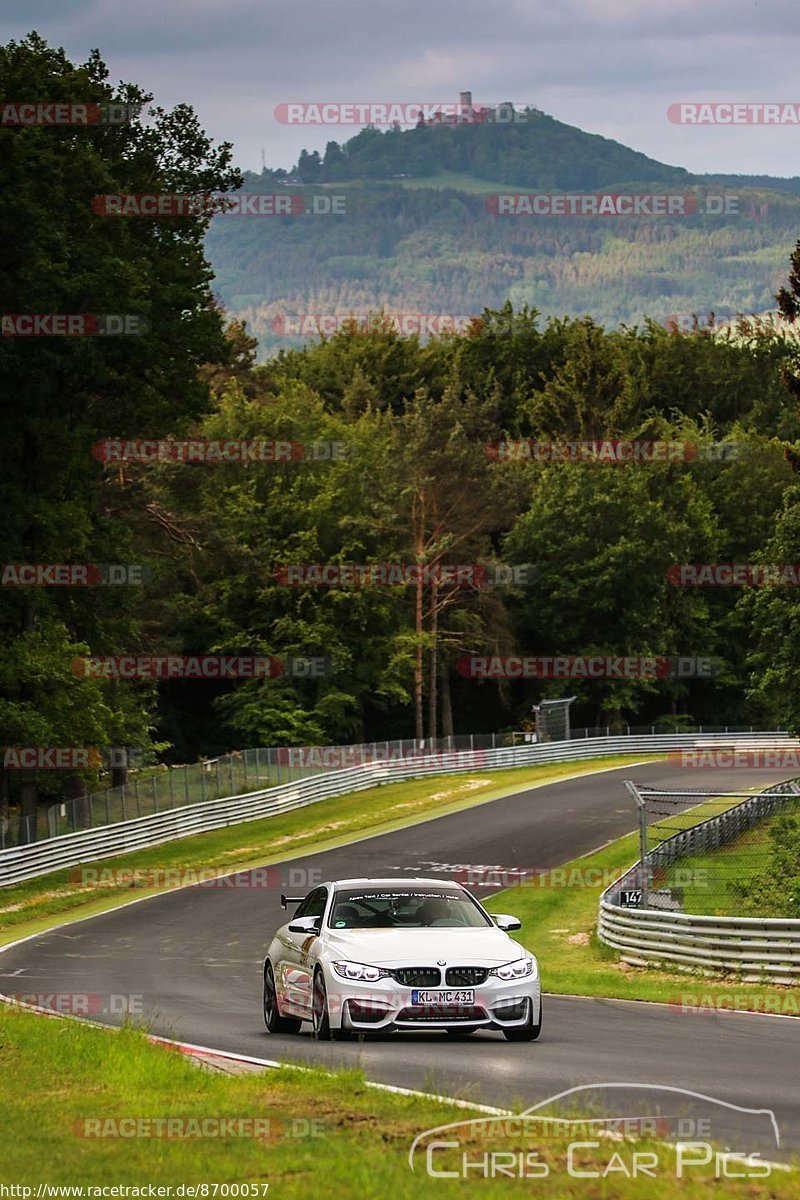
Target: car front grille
{"x":466,"y":976}
{"x":418,"y":976}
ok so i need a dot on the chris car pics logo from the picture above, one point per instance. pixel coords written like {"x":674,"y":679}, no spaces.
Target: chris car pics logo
{"x":648,"y":1131}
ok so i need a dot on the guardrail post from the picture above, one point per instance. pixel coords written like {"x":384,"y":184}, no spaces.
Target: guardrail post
{"x":644,"y":869}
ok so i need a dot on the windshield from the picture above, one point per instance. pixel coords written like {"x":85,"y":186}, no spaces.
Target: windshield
{"x":404,"y":908}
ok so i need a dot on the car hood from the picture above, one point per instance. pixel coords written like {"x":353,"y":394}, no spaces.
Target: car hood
{"x":424,"y":947}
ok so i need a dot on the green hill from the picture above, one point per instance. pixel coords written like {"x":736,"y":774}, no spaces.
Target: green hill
{"x":418,"y":236}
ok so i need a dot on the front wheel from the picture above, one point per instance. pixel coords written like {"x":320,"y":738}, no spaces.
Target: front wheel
{"x":320,"y":1016}
{"x":525,"y":1033}
{"x":273,"y":1020}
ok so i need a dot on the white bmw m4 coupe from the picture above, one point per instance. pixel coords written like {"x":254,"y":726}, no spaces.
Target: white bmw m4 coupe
{"x":372,"y":955}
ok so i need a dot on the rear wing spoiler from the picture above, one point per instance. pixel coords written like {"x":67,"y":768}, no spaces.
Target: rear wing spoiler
{"x":285,"y":900}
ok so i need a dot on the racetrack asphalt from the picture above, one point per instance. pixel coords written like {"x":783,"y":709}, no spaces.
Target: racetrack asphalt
{"x":195,"y":956}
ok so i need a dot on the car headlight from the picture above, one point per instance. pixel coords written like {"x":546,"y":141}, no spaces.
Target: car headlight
{"x":353,"y":970}
{"x":521,"y":968}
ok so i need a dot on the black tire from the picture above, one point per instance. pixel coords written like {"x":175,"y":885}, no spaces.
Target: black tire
{"x":525,"y":1033}
{"x":273,"y":1020}
{"x":320,"y":1017}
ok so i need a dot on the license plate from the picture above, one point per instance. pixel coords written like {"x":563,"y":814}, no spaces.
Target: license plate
{"x":423,"y":996}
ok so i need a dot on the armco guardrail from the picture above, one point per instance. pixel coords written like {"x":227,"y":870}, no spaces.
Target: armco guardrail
{"x":152,"y":788}
{"x":753,"y":947}
{"x":18,"y":863}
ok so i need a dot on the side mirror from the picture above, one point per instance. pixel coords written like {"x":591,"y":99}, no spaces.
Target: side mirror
{"x":506,"y":923}
{"x":305,"y":925}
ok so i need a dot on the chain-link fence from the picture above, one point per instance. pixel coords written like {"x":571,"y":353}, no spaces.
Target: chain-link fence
{"x":715,"y":855}
{"x":156,"y":789}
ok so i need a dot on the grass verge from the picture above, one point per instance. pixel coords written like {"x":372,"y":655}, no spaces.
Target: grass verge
{"x":559,"y":915}
{"x":326,"y":1133}
{"x":41,"y":903}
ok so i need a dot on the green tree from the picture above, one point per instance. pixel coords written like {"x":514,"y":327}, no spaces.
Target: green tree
{"x":57,"y":255}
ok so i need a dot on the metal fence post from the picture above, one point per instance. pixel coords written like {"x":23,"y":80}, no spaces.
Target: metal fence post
{"x":171,"y":789}
{"x":155,"y":794}
{"x":138,"y":797}
{"x":644,"y":869}
{"x":233,"y":785}
{"x":202,"y":783}
{"x":186,"y":782}
{"x":219,"y":785}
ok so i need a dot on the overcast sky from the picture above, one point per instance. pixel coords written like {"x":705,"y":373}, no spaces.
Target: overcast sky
{"x":609,"y":66}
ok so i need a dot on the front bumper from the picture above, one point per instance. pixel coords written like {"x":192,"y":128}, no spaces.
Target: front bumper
{"x":386,"y":1004}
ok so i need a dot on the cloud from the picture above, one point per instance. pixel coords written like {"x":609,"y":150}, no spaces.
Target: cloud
{"x":609,"y":66}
